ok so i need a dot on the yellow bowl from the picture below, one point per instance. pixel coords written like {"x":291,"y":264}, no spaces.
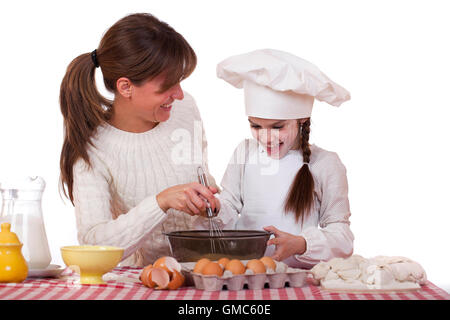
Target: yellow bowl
{"x":91,"y":262}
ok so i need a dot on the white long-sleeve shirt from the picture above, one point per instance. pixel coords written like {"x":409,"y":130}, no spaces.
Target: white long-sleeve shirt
{"x":255,"y":187}
{"x":115,"y":199}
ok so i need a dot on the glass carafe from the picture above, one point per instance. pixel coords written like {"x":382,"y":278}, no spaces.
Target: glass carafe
{"x":21,"y":207}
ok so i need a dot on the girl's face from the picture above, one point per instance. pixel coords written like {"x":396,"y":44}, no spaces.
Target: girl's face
{"x":152,"y":105}
{"x":276,"y":136}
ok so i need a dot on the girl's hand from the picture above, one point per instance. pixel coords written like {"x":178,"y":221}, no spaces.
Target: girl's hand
{"x":189,"y":198}
{"x":286,"y":244}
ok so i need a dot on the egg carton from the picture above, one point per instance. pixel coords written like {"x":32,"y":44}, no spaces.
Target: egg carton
{"x":294,"y":278}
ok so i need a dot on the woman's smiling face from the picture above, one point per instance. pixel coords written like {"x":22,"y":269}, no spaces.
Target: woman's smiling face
{"x":276,"y":136}
{"x":153,"y":105}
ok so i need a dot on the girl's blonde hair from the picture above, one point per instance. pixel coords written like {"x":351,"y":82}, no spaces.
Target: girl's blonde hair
{"x":138,"y":47}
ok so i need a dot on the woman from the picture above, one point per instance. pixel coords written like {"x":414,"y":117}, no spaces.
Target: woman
{"x":127,"y":165}
{"x":278,"y":181}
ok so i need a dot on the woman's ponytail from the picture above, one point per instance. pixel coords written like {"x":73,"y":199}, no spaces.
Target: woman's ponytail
{"x":300,"y":198}
{"x":83,"y":109}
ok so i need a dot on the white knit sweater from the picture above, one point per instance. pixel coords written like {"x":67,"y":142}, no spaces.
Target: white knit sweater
{"x":115,"y":198}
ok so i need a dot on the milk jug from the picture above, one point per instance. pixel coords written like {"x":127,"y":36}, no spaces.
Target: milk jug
{"x":21,"y":207}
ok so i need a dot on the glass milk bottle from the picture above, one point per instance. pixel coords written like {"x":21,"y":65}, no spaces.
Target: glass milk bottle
{"x":21,"y":207}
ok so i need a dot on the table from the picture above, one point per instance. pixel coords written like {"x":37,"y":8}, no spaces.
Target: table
{"x":123,"y":284}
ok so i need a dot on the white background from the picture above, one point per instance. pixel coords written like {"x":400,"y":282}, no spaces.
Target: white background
{"x":393,"y":56}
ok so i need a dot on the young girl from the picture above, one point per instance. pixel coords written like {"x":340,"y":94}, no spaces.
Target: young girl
{"x":118,"y":164}
{"x":279,"y":181}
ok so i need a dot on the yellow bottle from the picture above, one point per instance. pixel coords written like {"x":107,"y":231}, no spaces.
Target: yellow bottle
{"x":13,"y":267}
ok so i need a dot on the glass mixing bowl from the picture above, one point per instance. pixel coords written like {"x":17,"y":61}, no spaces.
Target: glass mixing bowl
{"x":192,"y":245}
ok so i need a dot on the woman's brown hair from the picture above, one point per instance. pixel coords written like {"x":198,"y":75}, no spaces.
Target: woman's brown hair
{"x":138,"y":47}
{"x":300,"y":198}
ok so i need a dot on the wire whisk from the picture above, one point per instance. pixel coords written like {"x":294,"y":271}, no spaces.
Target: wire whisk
{"x":215,"y":232}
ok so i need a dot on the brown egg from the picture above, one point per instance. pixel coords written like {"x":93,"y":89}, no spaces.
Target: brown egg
{"x":166,"y":276}
{"x":256,"y":266}
{"x":145,"y":276}
{"x":269,"y":263}
{"x":212,"y":268}
{"x":235,"y":266}
{"x":176,"y":281}
{"x":200,"y":265}
{"x":167,"y":263}
{"x":223,"y":262}
{"x":155,"y":277}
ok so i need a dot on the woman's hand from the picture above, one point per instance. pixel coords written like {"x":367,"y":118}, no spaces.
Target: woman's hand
{"x":286,"y":244}
{"x":189,"y":198}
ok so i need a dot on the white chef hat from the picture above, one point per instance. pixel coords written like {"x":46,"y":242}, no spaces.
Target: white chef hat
{"x":279,"y":85}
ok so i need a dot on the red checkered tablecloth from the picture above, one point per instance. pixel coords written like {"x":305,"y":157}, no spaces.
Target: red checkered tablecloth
{"x":120,"y":286}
